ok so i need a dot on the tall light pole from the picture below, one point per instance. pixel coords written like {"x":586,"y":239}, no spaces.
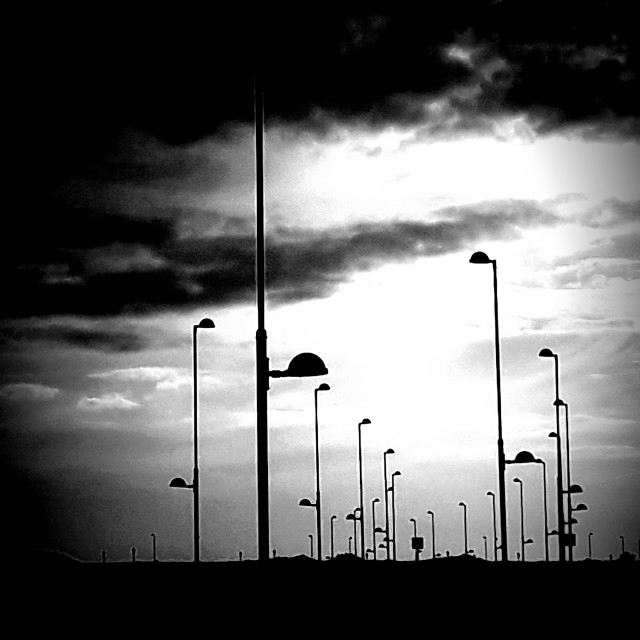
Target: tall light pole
{"x":480,"y":257}
{"x":355,"y":517}
{"x":568,"y":491}
{"x":180,"y":483}
{"x":373,"y":527}
{"x":388,"y":452}
{"x":393,"y":510}
{"x":466,"y":545}
{"x":322,"y":387}
{"x":415,"y":535}
{"x":311,"y":543}
{"x":332,"y":520}
{"x":547,"y":353}
{"x":589,"y":539}
{"x":517,"y":480}
{"x":362,"y":547}
{"x":495,"y":533}
{"x":433,"y":534}
{"x":303,"y":365}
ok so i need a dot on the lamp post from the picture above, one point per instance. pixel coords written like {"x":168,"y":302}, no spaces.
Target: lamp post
{"x":481,"y":258}
{"x":521,"y":515}
{"x":560,"y":403}
{"x":322,"y":387}
{"x":524,"y":457}
{"x":589,"y":540}
{"x":373,"y":527}
{"x":355,"y":517}
{"x":393,"y":510}
{"x":153,"y":547}
{"x":180,"y":483}
{"x":415,"y":535}
{"x":622,"y":542}
{"x":311,"y":545}
{"x":362,"y":548}
{"x":495,"y":533}
{"x":547,"y":353}
{"x":332,"y":520}
{"x":466,"y":545}
{"x":486,"y":557}
{"x":386,"y":496}
{"x":433,"y":534}
{"x":350,"y":539}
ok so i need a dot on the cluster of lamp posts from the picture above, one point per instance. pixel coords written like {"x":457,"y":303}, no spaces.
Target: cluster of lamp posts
{"x":310,"y":365}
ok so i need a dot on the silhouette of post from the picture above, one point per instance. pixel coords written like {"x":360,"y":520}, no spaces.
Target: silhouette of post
{"x":373,"y":527}
{"x":153,"y":539}
{"x":547,"y":353}
{"x":386,"y":497}
{"x":568,"y":490}
{"x":104,"y":556}
{"x":495,"y":533}
{"x":481,"y":258}
{"x":133,"y":554}
{"x":433,"y":534}
{"x":362,"y":545}
{"x":311,"y":545}
{"x":415,"y":535}
{"x":393,"y":510}
{"x":354,"y":516}
{"x":466,"y":537}
{"x":589,"y":540}
{"x":486,"y":556}
{"x":332,"y":520}
{"x":518,"y":481}
{"x":322,"y":387}
{"x":622,"y":542}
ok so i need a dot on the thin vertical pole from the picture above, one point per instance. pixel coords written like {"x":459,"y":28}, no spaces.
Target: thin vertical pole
{"x":196,"y":473}
{"x":318,"y":509}
{"x":560,"y":492}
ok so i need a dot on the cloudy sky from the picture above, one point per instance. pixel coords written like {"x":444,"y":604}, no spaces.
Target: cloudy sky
{"x":396,"y":145}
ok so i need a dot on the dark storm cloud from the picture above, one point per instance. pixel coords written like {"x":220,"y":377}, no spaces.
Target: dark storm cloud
{"x":172,"y":271}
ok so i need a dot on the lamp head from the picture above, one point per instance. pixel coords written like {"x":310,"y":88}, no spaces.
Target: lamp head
{"x":546,"y":353}
{"x":305,"y":502}
{"x":324,"y":387}
{"x":306,"y":365}
{"x":517,"y":480}
{"x":375,"y":500}
{"x":524,"y":456}
{"x":580,"y":507}
{"x":553,"y":434}
{"x":180,"y":483}
{"x":412,"y":519}
{"x":396,"y":473}
{"x":205,"y":323}
{"x":575,"y":488}
{"x":480,"y":257}
{"x":559,"y":403}
{"x":461,"y":504}
{"x":365,"y":421}
{"x":490,"y":493}
{"x":430,"y":512}
{"x":389,"y":451}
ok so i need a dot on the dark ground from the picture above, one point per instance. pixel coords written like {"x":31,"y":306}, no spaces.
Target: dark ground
{"x":460,"y":595}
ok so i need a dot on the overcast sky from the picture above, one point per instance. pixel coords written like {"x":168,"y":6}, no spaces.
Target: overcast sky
{"x":396,"y":145}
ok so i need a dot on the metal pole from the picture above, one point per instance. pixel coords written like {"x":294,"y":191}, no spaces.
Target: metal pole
{"x":560,"y":492}
{"x":522,"y":518}
{"x":501,"y":457}
{"x":318,"y":511}
{"x":373,"y":527}
{"x":495,"y":533}
{"x":196,"y":478}
{"x":262,"y":361}
{"x":433,"y":535}
{"x":393,"y":511}
{"x":570,"y":525}
{"x":589,"y":538}
{"x":332,"y":519}
{"x":153,"y":539}
{"x":546,"y":520}
{"x":386,"y":502}
{"x":362,"y":547}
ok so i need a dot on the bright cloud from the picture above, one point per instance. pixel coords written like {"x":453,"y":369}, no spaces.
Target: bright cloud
{"x":27,"y":392}
{"x":107,"y":402}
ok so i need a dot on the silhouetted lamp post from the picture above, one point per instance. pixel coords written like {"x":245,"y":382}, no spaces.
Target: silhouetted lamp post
{"x":373,"y":527}
{"x":322,"y":387}
{"x":466,"y":545}
{"x":355,"y":517}
{"x":622,"y":542}
{"x":486,"y":557}
{"x":180,"y":483}
{"x":589,"y":540}
{"x":153,"y":547}
{"x":517,"y":480}
{"x":388,"y":452}
{"x":332,"y":521}
{"x":524,"y":457}
{"x":480,"y":257}
{"x":433,"y":534}
{"x":495,"y":533}
{"x":311,"y":545}
{"x":362,"y":545}
{"x":393,"y":510}
{"x":547,"y":353}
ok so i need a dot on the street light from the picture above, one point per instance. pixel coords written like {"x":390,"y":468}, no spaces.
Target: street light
{"x":486,"y":557}
{"x":153,"y":539}
{"x":388,"y":452}
{"x":355,"y":517}
{"x":433,"y":534}
{"x":373,"y":527}
{"x":589,"y":539}
{"x":415,"y":537}
{"x":480,"y":257}
{"x":322,"y":387}
{"x":305,"y":502}
{"x":466,"y":546}
{"x":393,"y":510}
{"x":524,"y":457}
{"x":180,"y":483}
{"x":332,"y":519}
{"x":365,"y":421}
{"x":495,"y":534}
{"x":622,"y":541}
{"x":547,"y":353}
{"x":521,"y":515}
{"x":311,"y":543}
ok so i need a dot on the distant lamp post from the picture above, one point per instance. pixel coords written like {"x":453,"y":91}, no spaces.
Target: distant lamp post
{"x":622,"y":542}
{"x":393,"y":510}
{"x":547,"y":353}
{"x":433,"y":534}
{"x":524,"y":457}
{"x":480,"y":257}
{"x":495,"y":533}
{"x":388,"y":452}
{"x":153,"y":547}
{"x":522,"y":545}
{"x":373,"y":527}
{"x":180,"y":483}
{"x":322,"y":387}
{"x":350,"y":539}
{"x":589,"y":540}
{"x":305,"y":502}
{"x":311,"y":545}
{"x":355,"y":518}
{"x":362,"y":546}
{"x":486,"y":556}
{"x":332,"y":521}
{"x":466,"y":538}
